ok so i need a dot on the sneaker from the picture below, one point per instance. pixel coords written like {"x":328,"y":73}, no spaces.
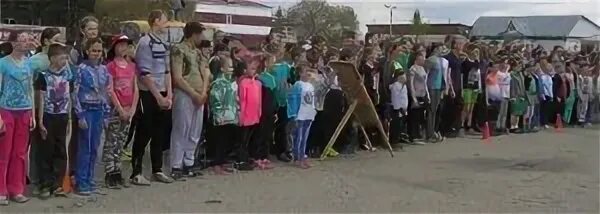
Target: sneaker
{"x":418,"y":142}
{"x":191,"y":171}
{"x":161,"y":177}
{"x":120,"y":181}
{"x":3,"y":201}
{"x":83,"y":193}
{"x":44,"y":194}
{"x":244,"y":166}
{"x":461,"y":133}
{"x":177,"y":174}
{"x":140,"y":180}
{"x":283,"y":157}
{"x":268,"y":164}
{"x":60,"y":192}
{"x":109,"y":180}
{"x":20,"y":198}
{"x":99,"y":191}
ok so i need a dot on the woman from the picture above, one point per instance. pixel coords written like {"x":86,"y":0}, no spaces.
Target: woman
{"x":419,"y":98}
{"x":15,"y":119}
{"x":570,"y":79}
{"x":88,"y":27}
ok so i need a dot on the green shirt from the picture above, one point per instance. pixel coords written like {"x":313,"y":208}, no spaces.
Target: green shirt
{"x":224,"y":101}
{"x":189,"y":60}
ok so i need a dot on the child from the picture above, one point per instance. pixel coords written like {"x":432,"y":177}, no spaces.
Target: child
{"x":493,"y":94}
{"x":250,"y":98}
{"x":54,"y":86}
{"x":517,"y":97}
{"x":301,"y":108}
{"x":503,"y":77}
{"x":124,"y":98}
{"x":225,"y":111}
{"x":546,"y":106}
{"x":399,"y":97}
{"x":472,"y":87}
{"x":269,"y":109}
{"x":92,"y":107}
{"x":585,"y":94}
{"x":531,"y":117}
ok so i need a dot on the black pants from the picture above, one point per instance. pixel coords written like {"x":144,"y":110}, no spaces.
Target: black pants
{"x":281,"y":133}
{"x":547,"y":111}
{"x":52,"y":157}
{"x":249,"y":136}
{"x":152,"y":128}
{"x":451,"y":114}
{"x":334,"y":108}
{"x":73,"y":142}
{"x":316,"y":136}
{"x":397,"y":125}
{"x":262,"y":146}
{"x":227,"y":135}
{"x":416,"y":118}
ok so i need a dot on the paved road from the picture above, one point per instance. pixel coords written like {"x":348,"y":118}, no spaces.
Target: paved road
{"x":543,"y":172}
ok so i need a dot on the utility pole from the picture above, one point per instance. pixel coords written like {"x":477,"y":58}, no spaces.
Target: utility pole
{"x":391,"y":15}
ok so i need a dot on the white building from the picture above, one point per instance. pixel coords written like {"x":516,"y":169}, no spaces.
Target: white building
{"x":571,"y":32}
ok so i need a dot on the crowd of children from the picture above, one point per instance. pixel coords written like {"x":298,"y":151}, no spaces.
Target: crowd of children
{"x":281,"y":100}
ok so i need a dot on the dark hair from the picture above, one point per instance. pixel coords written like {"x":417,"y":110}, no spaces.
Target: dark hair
{"x":348,"y":34}
{"x":13,"y":37}
{"x":205,"y":44}
{"x":154,"y":15}
{"x":56,"y":49}
{"x":90,"y":42}
{"x":47,"y":33}
{"x":220,"y":47}
{"x":346,"y":54}
{"x":5,"y":49}
{"x":192,"y":28}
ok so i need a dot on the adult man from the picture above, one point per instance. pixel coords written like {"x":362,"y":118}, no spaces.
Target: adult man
{"x":191,"y":81}
{"x":453,"y":104}
{"x":152,"y":57}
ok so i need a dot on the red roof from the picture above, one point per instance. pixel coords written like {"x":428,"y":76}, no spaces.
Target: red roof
{"x":250,"y":3}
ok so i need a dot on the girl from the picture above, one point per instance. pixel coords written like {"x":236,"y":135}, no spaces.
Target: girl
{"x":225,"y":109}
{"x":16,"y":120}
{"x":417,"y":85}
{"x":301,"y":107}
{"x":250,"y":97}
{"x":503,"y":77}
{"x":570,"y":79}
{"x":269,"y":109}
{"x":399,"y":97}
{"x":531,"y":82}
{"x":124,"y":98}
{"x":517,"y":97}
{"x":91,"y":105}
{"x":547,"y":105}
{"x":493,"y":94}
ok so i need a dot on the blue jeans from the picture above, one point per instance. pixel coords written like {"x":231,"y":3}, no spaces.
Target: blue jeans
{"x":300,"y":137}
{"x":89,"y":140}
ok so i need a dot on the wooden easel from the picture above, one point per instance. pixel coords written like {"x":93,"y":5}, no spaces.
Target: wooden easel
{"x":341,"y":126}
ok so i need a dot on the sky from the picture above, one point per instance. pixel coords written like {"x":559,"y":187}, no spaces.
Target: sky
{"x":457,"y":11}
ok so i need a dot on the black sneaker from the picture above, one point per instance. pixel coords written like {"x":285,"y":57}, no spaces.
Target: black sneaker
{"x":177,"y":174}
{"x":45,"y":193}
{"x":109,"y":180}
{"x":120,"y":180}
{"x":283,"y":157}
{"x":244,"y":166}
{"x":191,"y":172}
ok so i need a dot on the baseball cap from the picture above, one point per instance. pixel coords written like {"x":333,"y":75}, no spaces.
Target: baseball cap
{"x":120,"y":38}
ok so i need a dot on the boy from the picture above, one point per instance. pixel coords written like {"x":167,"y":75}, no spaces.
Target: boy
{"x":399,"y":97}
{"x":301,"y":108}
{"x":517,"y":97}
{"x":585,"y":93}
{"x":54,"y":86}
{"x":225,"y":109}
{"x":504,"y":79}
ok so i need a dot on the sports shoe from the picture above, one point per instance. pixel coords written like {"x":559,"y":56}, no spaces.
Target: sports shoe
{"x":4,"y":201}
{"x":418,"y":142}
{"x":161,"y":177}
{"x":191,"y":171}
{"x":140,"y":180}
{"x":177,"y":174}
{"x":45,"y":194}
{"x":244,"y":166}
{"x":283,"y":157}
{"x":109,"y":180}
{"x":60,"y":192}
{"x":120,"y":181}
{"x":99,"y":191}
{"x":20,"y":198}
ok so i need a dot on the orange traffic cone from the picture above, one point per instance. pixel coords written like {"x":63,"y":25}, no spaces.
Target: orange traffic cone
{"x":485,"y":133}
{"x":67,"y":186}
{"x":559,"y":125}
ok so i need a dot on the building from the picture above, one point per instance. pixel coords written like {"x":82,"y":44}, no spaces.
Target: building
{"x":249,"y":20}
{"x":571,"y":32}
{"x":433,"y":33}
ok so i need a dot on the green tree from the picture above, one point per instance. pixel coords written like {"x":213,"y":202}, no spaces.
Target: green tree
{"x":418,"y":27}
{"x":317,"y":17}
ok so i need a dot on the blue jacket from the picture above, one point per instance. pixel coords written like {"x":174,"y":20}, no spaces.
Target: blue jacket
{"x":293,"y":101}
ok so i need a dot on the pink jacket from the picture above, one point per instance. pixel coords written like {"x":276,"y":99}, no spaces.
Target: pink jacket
{"x":249,"y":89}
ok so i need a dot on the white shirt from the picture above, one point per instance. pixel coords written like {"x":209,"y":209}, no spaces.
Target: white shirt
{"x":504,"y":84}
{"x":307,"y":109}
{"x":399,"y":95}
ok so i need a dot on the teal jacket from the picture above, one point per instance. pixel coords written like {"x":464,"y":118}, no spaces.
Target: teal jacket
{"x":223,"y":101}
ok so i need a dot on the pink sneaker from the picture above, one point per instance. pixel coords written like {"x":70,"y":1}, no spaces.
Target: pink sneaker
{"x":267,"y":164}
